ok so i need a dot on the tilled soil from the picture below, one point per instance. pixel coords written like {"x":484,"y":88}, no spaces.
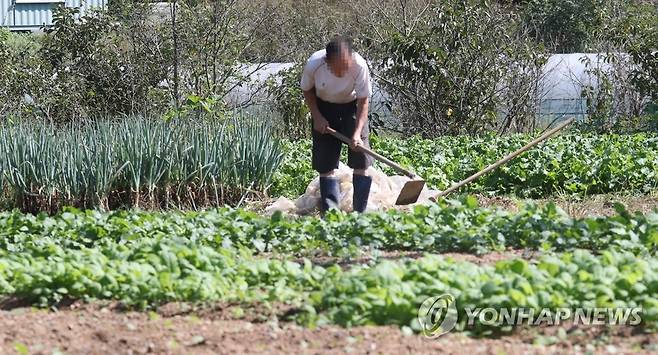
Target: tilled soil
{"x":590,"y":206}
{"x":484,"y":259}
{"x":96,"y":329}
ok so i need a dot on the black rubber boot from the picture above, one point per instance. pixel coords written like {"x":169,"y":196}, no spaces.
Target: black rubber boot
{"x":329,"y":193}
{"x":361,"y":185}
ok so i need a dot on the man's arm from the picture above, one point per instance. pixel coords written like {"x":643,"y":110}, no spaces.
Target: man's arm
{"x":320,"y":124}
{"x":307,"y":84}
{"x":363,"y":91}
{"x":361,"y":120}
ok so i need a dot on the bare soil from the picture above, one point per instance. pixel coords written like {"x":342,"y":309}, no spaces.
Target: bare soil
{"x":589,"y":206}
{"x":366,"y":257}
{"x":178,"y":329}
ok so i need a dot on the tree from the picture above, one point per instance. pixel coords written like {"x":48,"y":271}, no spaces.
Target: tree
{"x":448,"y":66}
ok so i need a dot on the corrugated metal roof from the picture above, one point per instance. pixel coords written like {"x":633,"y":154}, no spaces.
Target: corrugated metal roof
{"x":25,"y":16}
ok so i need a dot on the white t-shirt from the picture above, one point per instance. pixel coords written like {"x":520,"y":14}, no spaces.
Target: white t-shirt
{"x":328,"y":87}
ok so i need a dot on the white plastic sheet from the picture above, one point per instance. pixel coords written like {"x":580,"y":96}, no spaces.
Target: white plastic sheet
{"x":383,"y":193}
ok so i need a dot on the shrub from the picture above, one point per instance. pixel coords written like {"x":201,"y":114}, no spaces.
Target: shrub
{"x":449,"y":73}
{"x":288,"y":100}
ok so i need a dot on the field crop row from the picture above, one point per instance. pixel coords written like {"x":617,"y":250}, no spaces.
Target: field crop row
{"x":151,"y":271}
{"x":145,"y":259}
{"x":156,"y":164}
{"x":448,"y":226}
{"x":134,"y":163}
{"x":566,"y":164}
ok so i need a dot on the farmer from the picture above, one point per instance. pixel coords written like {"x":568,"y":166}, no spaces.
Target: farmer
{"x":336,"y":85}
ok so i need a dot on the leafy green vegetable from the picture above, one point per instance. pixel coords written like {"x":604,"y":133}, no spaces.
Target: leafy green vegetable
{"x":449,"y":226}
{"x":151,"y":271}
{"x":567,"y":164}
{"x":144,"y":259}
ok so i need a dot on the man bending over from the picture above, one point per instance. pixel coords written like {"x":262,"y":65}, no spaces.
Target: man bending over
{"x":336,"y":85}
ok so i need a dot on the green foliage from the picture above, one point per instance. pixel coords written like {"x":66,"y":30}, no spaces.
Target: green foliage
{"x":449,"y":67}
{"x":611,"y":27}
{"x":448,"y":74}
{"x":22,"y":73}
{"x":4,"y":65}
{"x":639,"y":33}
{"x":199,"y":107}
{"x":568,"y":26}
{"x":145,"y":259}
{"x":575,"y":164}
{"x":128,"y":61}
{"x":390,"y":292}
{"x":599,"y":96}
{"x":85,"y":65}
{"x":449,"y":226}
{"x":295,"y":172}
{"x":623,"y":78}
{"x":288,"y":100}
{"x":112,"y":164}
{"x":116,"y":70}
{"x":210,"y":42}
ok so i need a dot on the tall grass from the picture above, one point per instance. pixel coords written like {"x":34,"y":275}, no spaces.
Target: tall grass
{"x":135,"y":162}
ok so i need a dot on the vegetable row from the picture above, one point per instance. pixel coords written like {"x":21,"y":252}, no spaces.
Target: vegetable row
{"x":153,"y":271}
{"x":458,"y":225}
{"x":574,"y":163}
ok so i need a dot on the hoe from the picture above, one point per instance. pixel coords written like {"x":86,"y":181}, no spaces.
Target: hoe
{"x":412,"y":188}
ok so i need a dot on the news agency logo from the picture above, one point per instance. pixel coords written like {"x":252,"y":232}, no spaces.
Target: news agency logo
{"x":438,"y":315}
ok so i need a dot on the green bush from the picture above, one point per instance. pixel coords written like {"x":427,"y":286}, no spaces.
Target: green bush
{"x":288,"y":100}
{"x":449,"y":67}
{"x":22,"y":74}
{"x":85,"y":65}
{"x":454,"y":70}
{"x":115,"y":65}
{"x":639,"y":32}
{"x":569,"y":26}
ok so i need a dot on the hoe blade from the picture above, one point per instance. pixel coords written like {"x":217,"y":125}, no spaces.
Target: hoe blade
{"x":410,"y":192}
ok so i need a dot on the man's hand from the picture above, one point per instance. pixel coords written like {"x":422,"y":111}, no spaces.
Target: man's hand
{"x":320,"y":124}
{"x":356,"y":141}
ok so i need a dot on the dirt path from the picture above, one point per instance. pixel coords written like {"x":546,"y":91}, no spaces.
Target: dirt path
{"x":92,"y":329}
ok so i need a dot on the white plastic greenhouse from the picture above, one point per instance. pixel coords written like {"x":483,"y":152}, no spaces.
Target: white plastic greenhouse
{"x":564,"y":76}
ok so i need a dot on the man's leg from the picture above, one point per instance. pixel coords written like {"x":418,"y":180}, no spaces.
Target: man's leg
{"x":359,"y":162}
{"x":326,"y":155}
{"x":361,"y":183}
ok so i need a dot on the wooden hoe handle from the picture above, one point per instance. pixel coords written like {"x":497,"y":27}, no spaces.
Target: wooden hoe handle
{"x":506,"y":159}
{"x":372,"y":153}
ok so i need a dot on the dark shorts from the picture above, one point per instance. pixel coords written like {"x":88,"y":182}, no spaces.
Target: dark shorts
{"x":326,"y":148}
